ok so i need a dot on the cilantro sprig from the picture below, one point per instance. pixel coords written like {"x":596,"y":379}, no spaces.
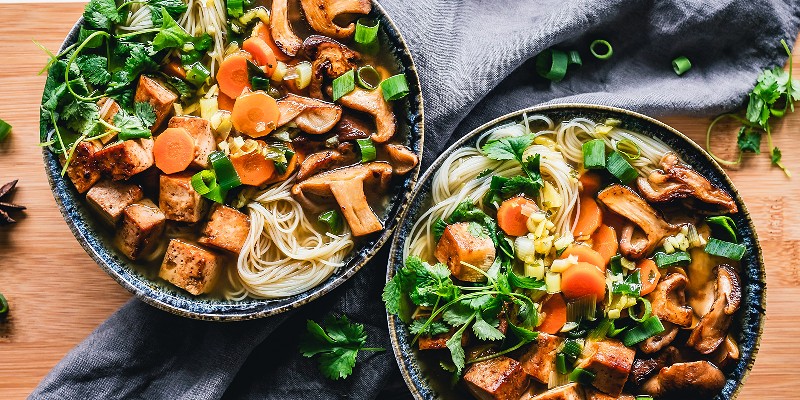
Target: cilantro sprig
{"x":512,"y":148}
{"x":337,"y":345}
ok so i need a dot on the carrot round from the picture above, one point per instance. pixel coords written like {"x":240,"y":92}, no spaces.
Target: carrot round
{"x":583,"y":279}
{"x":224,"y":102}
{"x":296,"y":159}
{"x":262,"y":31}
{"x":589,"y":219}
{"x":604,"y":241}
{"x":262,"y":54}
{"x":173,"y":150}
{"x":232,"y":76}
{"x":510,"y":217}
{"x":555,"y":314}
{"x":649,"y":274}
{"x":585,"y":254}
{"x":255,"y":114}
{"x":253,"y":168}
{"x":590,"y":183}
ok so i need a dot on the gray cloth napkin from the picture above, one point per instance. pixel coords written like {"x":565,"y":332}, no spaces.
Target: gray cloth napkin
{"x":475,"y":63}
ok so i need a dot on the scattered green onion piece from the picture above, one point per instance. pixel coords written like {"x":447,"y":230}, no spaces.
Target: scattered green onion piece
{"x":561,"y":364}
{"x":197,"y":74}
{"x":723,"y":224}
{"x":648,"y":310}
{"x":648,"y":328}
{"x":600,"y":332}
{"x":134,"y":134}
{"x":572,"y":349}
{"x":631,"y":286}
{"x":259,"y":83}
{"x":594,"y":154}
{"x":629,"y":149}
{"x":3,"y":307}
{"x":582,"y":376}
{"x":575,"y":58}
{"x":394,"y":87}
{"x":368,"y":152}
{"x":333,"y":220}
{"x":676,"y":259}
{"x":5,"y":129}
{"x":344,"y":84}
{"x":281,"y":167}
{"x":681,"y":65}
{"x":254,"y":73}
{"x":721,"y":248}
{"x":582,"y":309}
{"x":643,"y":397}
{"x":368,"y":77}
{"x":614,"y":331}
{"x":366,"y":31}
{"x":618,"y":166}
{"x":217,"y":194}
{"x":227,"y":178}
{"x":235,"y":8}
{"x":204,"y":182}
{"x":609,"y":51}
{"x":616,"y":264}
{"x":551,"y":64}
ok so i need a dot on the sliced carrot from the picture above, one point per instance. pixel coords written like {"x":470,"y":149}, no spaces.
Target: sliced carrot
{"x":590,"y":183}
{"x":262,"y":31}
{"x":583,"y":279}
{"x":604,"y":241}
{"x":173,"y":150}
{"x":255,"y":114}
{"x":294,"y":162}
{"x":232,"y":76}
{"x":224,"y":102}
{"x":585,"y":254}
{"x":510,"y":217}
{"x":589,"y":219}
{"x":262,"y":54}
{"x":174,"y":68}
{"x":649,"y":273}
{"x":253,"y":168}
{"x":555,"y":314}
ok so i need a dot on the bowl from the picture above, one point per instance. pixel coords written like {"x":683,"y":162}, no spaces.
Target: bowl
{"x":429,"y":382}
{"x":96,"y":242}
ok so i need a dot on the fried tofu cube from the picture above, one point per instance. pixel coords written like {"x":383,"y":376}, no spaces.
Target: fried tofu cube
{"x":592,"y":394}
{"x":82,"y":169}
{"x":610,"y":361}
{"x":499,"y":378}
{"x":108,"y":109}
{"x":466,"y":242}
{"x":178,"y":199}
{"x":122,"y":160}
{"x":142,"y":226}
{"x":227,"y":229}
{"x":190,"y":267}
{"x":539,"y":361}
{"x":110,"y":198}
{"x":437,"y":342}
{"x":200,"y":130}
{"x":162,"y":99}
{"x":573,"y":391}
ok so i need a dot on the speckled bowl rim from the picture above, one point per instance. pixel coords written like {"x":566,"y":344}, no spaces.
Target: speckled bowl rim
{"x":150,"y":293}
{"x":406,"y":362}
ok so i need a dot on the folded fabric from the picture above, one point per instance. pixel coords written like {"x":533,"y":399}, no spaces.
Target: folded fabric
{"x":474,"y":58}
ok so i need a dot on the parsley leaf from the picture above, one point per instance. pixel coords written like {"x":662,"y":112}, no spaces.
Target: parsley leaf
{"x":102,"y":14}
{"x":338,"y":347}
{"x":749,"y":140}
{"x":144,"y":111}
{"x":94,"y":68}
{"x":435,"y":328}
{"x":459,"y":314}
{"x":525,"y":282}
{"x":456,"y":351}
{"x":509,"y":148}
{"x":438,"y":228}
{"x":485,"y":331}
{"x":130,"y":125}
{"x":171,"y":34}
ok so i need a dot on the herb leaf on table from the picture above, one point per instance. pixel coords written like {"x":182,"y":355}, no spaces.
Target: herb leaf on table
{"x":337,"y":345}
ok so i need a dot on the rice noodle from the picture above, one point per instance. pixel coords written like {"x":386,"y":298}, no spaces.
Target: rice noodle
{"x":207,"y":16}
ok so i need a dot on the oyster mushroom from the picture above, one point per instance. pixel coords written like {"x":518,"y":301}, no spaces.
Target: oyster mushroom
{"x":644,"y":368}
{"x":322,"y":161}
{"x":311,"y":115}
{"x":373,"y":103}
{"x":713,"y":327}
{"x":669,"y":305}
{"x":351,"y":127}
{"x":321,"y":14}
{"x":346,"y":186}
{"x":330,"y":59}
{"x":282,"y":33}
{"x":679,"y":181}
{"x":402,"y":158}
{"x":726,"y":352}
{"x":689,"y":380}
{"x":630,"y":206}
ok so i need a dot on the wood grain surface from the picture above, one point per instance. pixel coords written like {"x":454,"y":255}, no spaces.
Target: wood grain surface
{"x":58,"y":295}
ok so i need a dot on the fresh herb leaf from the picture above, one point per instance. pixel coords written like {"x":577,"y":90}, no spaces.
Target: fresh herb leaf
{"x":173,"y":7}
{"x":525,"y":335}
{"x":130,"y":125}
{"x":101,"y":14}
{"x":475,"y":229}
{"x":485,"y":331}
{"x":144,"y":111}
{"x":509,"y":148}
{"x":438,"y":228}
{"x":525,"y":282}
{"x":171,"y":34}
{"x":775,"y":155}
{"x":184,"y":90}
{"x":338,"y":347}
{"x":94,"y":68}
{"x":456,"y":351}
{"x":434,"y":328}
{"x":459,"y":314}
{"x":749,"y":140}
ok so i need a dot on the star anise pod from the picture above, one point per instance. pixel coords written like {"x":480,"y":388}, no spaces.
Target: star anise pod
{"x":5,"y":207}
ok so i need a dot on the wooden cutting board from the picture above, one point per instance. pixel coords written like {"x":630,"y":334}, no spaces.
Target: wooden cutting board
{"x":58,"y":295}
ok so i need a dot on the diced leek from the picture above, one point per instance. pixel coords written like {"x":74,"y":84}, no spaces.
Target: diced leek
{"x":561,"y":364}
{"x":582,"y":309}
{"x":343,"y":84}
{"x":543,"y":245}
{"x":525,"y":249}
{"x":614,"y":313}
{"x":545,"y":141}
{"x":562,"y":264}
{"x":563,"y":242}
{"x":539,"y":231}
{"x":725,"y":249}
{"x":612,"y":122}
{"x":582,"y":376}
{"x":603,"y":129}
{"x":553,"y":282}
{"x":279,"y":72}
{"x":227,"y":177}
{"x":208,"y":107}
{"x":550,"y":196}
{"x":367,"y":149}
{"x":594,"y":154}
{"x":678,"y":258}
{"x":303,"y":72}
{"x":723,"y":227}
{"x":535,"y":269}
{"x":668,"y":247}
{"x":615,"y":264}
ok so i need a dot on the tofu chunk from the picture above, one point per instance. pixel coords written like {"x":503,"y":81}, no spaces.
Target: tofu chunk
{"x":592,"y":394}
{"x":573,"y":391}
{"x":190,"y":267}
{"x":226,"y":229}
{"x":122,"y":160}
{"x":466,"y":242}
{"x":611,"y":363}
{"x":178,"y":200}
{"x":439,"y":341}
{"x":110,"y":198}
{"x":499,"y":378}
{"x":108,"y":109}
{"x":142,"y":226}
{"x":200,"y":130}
{"x":540,"y":359}
{"x":158,"y":96}
{"x":82,"y":169}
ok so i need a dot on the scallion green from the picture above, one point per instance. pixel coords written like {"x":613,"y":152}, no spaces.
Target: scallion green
{"x":582,"y":376}
{"x":3,"y":307}
{"x":259,"y":83}
{"x":227,"y":177}
{"x":645,"y":330}
{"x":629,"y":149}
{"x":394,"y":87}
{"x":368,"y":77}
{"x":197,"y":74}
{"x":333,"y":220}
{"x":344,"y":84}
{"x":725,"y":249}
{"x":575,"y":58}
{"x":595,"y":50}
{"x":594,"y":154}
{"x":631,"y":286}
{"x":572,"y":349}
{"x":561,"y":364}
{"x":368,"y":152}
{"x":723,"y":228}
{"x":618,"y":166}
{"x":134,"y":134}
{"x":366,"y":32}
{"x":643,"y":397}
{"x":204,"y":181}
{"x":676,"y":259}
{"x":681,"y":64}
{"x":616,"y":264}
{"x":552,"y":64}
{"x":5,"y":129}
{"x":646,"y":313}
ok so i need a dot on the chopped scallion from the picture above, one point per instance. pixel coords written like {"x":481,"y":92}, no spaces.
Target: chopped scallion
{"x":598,"y":45}
{"x":725,"y":249}
{"x":631,"y":286}
{"x":368,"y":77}
{"x":582,"y":376}
{"x":134,"y":134}
{"x":197,"y":74}
{"x":333,"y":220}
{"x":646,"y":313}
{"x":618,"y":166}
{"x":629,"y":149}
{"x":681,"y":64}
{"x":644,"y":397}
{"x":259,"y":83}
{"x":368,"y":152}
{"x":561,"y":364}
{"x":551,"y":64}
{"x":5,"y":129}
{"x":366,"y":31}
{"x":594,"y":154}
{"x":575,"y":58}
{"x":572,"y":349}
{"x":601,"y":331}
{"x":344,"y":84}
{"x":227,"y":177}
{"x":582,"y":309}
{"x":616,"y":264}
{"x":723,"y":227}
{"x":648,"y":328}
{"x":204,"y":181}
{"x":394,"y":87}
{"x":676,"y":259}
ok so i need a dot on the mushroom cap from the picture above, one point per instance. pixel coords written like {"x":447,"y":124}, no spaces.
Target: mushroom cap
{"x":402,"y":158}
{"x":281,"y":29}
{"x":689,"y":380}
{"x":329,"y":59}
{"x":321,"y":14}
{"x":373,"y":103}
{"x":713,"y":327}
{"x":669,"y":301}
{"x":311,"y":115}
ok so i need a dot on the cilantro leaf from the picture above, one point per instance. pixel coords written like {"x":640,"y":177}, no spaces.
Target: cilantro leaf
{"x":94,"y":68}
{"x":438,"y":228}
{"x":102,"y":14}
{"x":509,"y":148}
{"x":485,"y":331}
{"x":338,"y":363}
{"x":456,"y":351}
{"x":144,"y":111}
{"x":171,"y":34}
{"x":433,"y":329}
{"x":337,"y":348}
{"x":392,"y":295}
{"x":526,"y":335}
{"x":130,"y":125}
{"x":775,"y":155}
{"x":749,"y":140}
{"x":525,"y":282}
{"x":459,"y":314}
{"x":173,"y":7}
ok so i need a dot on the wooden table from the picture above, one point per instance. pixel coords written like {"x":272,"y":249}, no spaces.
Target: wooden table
{"x":59,"y":295}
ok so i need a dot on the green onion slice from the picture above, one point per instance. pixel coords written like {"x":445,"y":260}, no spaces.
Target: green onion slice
{"x":629,"y":149}
{"x":5,"y":129}
{"x":366,"y":31}
{"x":344,"y":84}
{"x":368,"y":77}
{"x":227,"y":178}
{"x":631,"y":286}
{"x":582,"y":376}
{"x":575,"y":58}
{"x":594,"y":154}
{"x":723,"y":225}
{"x":616,"y":264}
{"x":259,"y":83}
{"x":618,"y":166}
{"x":725,"y":249}
{"x":551,"y":64}
{"x":648,"y":310}
{"x":333,"y":220}
{"x":676,"y":259}
{"x":368,"y":152}
{"x":681,"y":64}
{"x":204,"y":182}
{"x":648,"y":328}
{"x":595,"y":49}
{"x":643,"y":397}
{"x":3,"y":307}
{"x":197,"y":74}
{"x":600,"y":332}
{"x":561,"y":364}
{"x":130,"y":134}
{"x":394,"y":87}
{"x":572,"y":349}
{"x":217,"y":195}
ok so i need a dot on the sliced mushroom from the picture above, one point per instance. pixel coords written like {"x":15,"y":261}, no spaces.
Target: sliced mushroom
{"x":281,"y":30}
{"x":330,"y":59}
{"x":322,"y":161}
{"x":657,"y":342}
{"x":351,"y":128}
{"x":629,"y":205}
{"x":373,"y":103}
{"x":713,"y":327}
{"x":679,"y":181}
{"x":726,"y":352}
{"x":321,"y":14}
{"x":669,"y":301}
{"x":690,"y":380}
{"x":402,"y":158}
{"x":346,"y":185}
{"x":644,"y":368}
{"x":311,"y":115}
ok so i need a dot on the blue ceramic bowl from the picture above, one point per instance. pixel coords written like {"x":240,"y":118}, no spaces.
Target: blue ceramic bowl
{"x":430,"y":382}
{"x":97,"y":242}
